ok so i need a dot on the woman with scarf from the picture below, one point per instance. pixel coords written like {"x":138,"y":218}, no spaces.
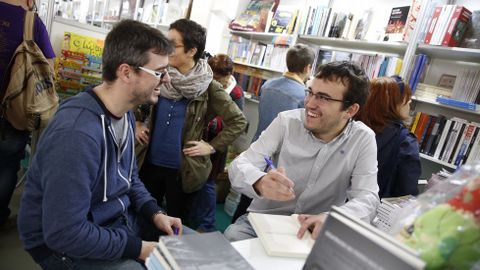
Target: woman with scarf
{"x":177,"y":161}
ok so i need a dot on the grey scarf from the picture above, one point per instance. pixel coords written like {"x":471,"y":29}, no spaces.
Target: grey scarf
{"x":190,"y":85}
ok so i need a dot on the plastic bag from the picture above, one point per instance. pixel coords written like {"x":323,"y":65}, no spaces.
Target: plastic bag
{"x":443,"y":225}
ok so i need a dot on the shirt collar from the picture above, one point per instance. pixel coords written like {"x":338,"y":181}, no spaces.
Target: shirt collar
{"x":293,"y":76}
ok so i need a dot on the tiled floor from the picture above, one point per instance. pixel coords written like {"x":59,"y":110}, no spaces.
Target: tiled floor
{"x":12,"y":255}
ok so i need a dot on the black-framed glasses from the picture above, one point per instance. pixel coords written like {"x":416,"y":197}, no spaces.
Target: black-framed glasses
{"x":158,"y":74}
{"x":322,"y":97}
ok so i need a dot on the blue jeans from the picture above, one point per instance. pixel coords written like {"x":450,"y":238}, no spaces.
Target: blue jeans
{"x":240,"y":230}
{"x":202,"y":214}
{"x":136,"y":225}
{"x":12,"y":150}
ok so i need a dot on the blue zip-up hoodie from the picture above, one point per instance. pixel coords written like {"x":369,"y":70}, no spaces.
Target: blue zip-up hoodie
{"x":79,"y":182}
{"x":398,"y":161}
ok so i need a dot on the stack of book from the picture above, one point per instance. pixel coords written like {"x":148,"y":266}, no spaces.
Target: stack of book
{"x":195,"y":251}
{"x":389,"y":210}
{"x":252,"y":52}
{"x":454,"y":141}
{"x":467,"y":86}
{"x":250,"y":84}
{"x":448,"y":25}
{"x":374,"y":65}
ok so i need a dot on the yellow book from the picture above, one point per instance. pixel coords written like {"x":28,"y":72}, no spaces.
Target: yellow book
{"x":399,"y":65}
{"x":415,"y":122}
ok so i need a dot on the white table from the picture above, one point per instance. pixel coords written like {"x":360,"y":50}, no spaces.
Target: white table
{"x":252,"y":250}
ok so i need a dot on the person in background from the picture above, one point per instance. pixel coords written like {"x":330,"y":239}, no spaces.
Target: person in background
{"x":13,"y":141}
{"x":202,"y":214}
{"x":322,"y":156}
{"x":282,"y":94}
{"x":385,"y":111}
{"x":177,"y":161}
{"x":84,"y":206}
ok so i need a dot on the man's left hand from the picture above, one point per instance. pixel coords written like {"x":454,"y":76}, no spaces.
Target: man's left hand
{"x":167,"y":223}
{"x":314,"y":222}
{"x":198,"y":148}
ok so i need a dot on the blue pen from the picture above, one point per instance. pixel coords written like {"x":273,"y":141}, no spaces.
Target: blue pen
{"x":269,"y":163}
{"x":272,"y":167}
{"x":175,"y":230}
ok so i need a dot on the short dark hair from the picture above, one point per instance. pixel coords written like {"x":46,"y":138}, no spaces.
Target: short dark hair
{"x":194,"y":36}
{"x":298,"y":57}
{"x":221,"y":64}
{"x":129,"y":43}
{"x":352,"y":76}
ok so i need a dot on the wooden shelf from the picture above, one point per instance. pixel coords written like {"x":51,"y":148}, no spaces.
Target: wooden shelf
{"x":356,"y":46}
{"x":443,"y":163}
{"x":450,"y":53}
{"x":433,"y":102}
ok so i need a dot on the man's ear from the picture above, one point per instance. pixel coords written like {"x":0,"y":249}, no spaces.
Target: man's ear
{"x":125,"y":73}
{"x":352,"y":110}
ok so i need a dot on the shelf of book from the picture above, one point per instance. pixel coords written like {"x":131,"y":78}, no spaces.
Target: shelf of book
{"x":259,"y":67}
{"x":249,"y":97}
{"x":396,"y":48}
{"x":258,"y":35}
{"x":450,"y":53}
{"x":443,"y":163}
{"x":435,"y":103}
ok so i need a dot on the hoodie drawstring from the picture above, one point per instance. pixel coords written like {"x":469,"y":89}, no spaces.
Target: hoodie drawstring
{"x":133,"y":153}
{"x":104,"y":159}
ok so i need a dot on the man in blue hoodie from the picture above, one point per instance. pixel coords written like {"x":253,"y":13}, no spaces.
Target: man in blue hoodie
{"x":84,"y":205}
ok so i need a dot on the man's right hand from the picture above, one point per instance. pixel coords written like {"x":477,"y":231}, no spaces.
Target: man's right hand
{"x":275,"y":185}
{"x":147,"y":248}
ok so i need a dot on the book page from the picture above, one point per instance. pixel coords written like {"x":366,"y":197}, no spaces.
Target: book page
{"x":278,"y":235}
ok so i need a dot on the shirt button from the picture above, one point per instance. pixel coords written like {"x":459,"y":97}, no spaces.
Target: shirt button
{"x":169,"y":115}
{"x":168,"y":122}
{"x":171,"y":107}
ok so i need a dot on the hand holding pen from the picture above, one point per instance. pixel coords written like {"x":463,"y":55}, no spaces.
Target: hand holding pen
{"x":275,"y":185}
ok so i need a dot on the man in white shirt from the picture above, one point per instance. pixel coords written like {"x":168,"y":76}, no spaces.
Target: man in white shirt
{"x":324,"y":158}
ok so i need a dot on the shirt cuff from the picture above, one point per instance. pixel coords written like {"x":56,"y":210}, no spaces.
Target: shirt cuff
{"x":132,"y":248}
{"x":149,"y":208}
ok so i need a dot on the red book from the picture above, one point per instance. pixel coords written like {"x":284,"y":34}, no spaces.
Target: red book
{"x":457,"y":26}
{"x":422,"y":124}
{"x":433,"y":23}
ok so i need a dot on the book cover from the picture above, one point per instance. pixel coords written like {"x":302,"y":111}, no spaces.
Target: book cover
{"x":433,"y":24}
{"x":443,"y":137}
{"x":278,"y":234}
{"x":201,"y":251}
{"x":397,"y":24}
{"x":363,"y":25}
{"x":472,"y":144}
{"x":283,"y":22}
{"x":457,"y":26}
{"x":471,"y":38}
{"x":412,"y":19}
{"x":255,"y":16}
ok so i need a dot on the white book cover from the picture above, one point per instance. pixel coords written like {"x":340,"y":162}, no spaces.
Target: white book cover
{"x":278,"y":234}
{"x":441,"y":142}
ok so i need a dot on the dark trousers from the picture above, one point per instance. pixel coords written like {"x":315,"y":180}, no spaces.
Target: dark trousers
{"x":12,"y":149}
{"x":166,"y":183}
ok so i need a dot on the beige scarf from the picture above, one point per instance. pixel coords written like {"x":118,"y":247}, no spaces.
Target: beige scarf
{"x":190,"y":85}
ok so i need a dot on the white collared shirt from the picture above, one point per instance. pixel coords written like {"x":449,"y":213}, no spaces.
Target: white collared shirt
{"x":324,"y":174}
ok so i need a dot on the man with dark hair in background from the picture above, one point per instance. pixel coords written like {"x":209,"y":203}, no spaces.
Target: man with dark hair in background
{"x":322,"y":156}
{"x":84,"y":206}
{"x":282,"y":94}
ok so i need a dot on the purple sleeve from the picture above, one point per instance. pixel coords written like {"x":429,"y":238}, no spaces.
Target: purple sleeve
{"x":41,"y":38}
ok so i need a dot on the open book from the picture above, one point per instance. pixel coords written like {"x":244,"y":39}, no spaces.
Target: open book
{"x":278,"y":235}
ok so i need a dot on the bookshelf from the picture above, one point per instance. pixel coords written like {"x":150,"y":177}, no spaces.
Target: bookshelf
{"x":442,"y":60}
{"x":445,"y":61}
{"x":361,"y":46}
